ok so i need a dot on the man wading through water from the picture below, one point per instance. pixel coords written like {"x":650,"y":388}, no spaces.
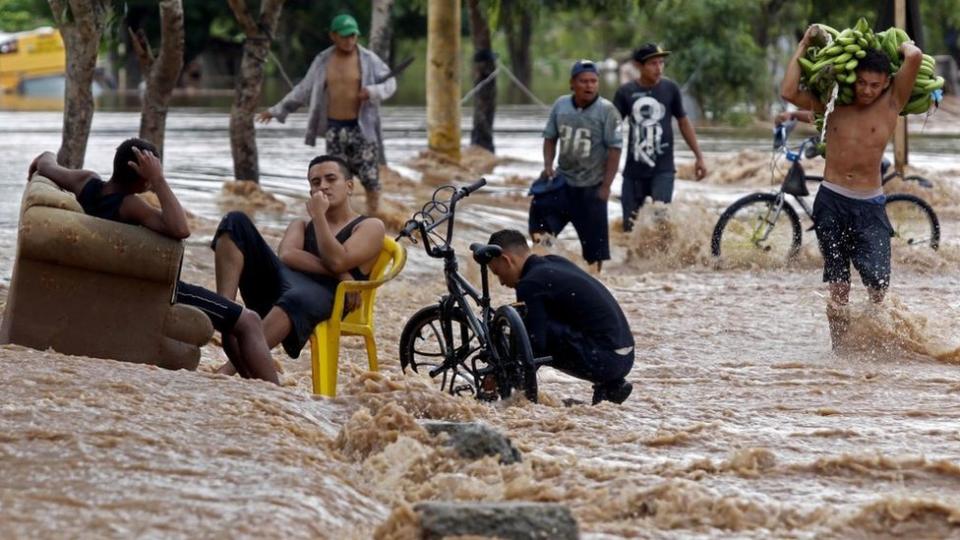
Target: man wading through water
{"x":344,"y":97}
{"x":851,"y":221}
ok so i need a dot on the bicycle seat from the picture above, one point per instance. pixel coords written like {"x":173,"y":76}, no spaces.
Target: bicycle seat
{"x":484,"y":253}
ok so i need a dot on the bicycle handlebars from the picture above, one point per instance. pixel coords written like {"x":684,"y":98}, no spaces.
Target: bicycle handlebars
{"x":426,"y":220}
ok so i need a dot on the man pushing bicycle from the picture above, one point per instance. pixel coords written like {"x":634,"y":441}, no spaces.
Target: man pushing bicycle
{"x":849,"y":215}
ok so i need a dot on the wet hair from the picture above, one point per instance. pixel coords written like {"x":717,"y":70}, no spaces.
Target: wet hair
{"x":344,"y":168}
{"x":123,"y":173}
{"x":874,"y":61}
{"x":509,"y":240}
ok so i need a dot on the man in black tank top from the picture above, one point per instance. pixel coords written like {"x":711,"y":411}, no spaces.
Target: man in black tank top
{"x":136,"y":168}
{"x":293,"y":289}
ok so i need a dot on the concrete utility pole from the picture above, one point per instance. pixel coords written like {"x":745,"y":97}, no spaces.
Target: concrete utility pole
{"x":900,"y":147}
{"x":443,"y":77}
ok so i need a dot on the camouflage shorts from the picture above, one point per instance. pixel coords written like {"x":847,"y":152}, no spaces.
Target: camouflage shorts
{"x":346,"y":140}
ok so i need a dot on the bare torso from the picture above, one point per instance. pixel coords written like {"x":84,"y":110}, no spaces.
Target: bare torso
{"x":856,"y":139}
{"x":343,"y":86}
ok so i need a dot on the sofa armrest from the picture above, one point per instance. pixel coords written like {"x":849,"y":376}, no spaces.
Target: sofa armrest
{"x":69,"y":238}
{"x":41,"y":191}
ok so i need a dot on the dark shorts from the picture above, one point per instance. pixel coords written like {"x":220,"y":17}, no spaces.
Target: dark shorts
{"x":853,"y":231}
{"x":576,"y":355}
{"x":550,"y":213}
{"x":222,"y":312}
{"x":635,"y":191}
{"x":265,"y":282}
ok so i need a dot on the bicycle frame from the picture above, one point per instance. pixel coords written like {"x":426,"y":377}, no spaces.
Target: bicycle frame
{"x":460,"y":291}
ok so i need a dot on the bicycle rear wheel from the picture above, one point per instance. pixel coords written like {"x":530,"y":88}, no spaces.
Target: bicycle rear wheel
{"x":424,"y":348}
{"x":512,"y":344}
{"x":915,"y":224}
{"x":755,"y":225}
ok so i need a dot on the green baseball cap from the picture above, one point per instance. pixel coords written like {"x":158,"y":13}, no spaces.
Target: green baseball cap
{"x":345,"y":25}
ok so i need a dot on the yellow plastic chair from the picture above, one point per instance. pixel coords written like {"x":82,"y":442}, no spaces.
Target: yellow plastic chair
{"x":325,"y":340}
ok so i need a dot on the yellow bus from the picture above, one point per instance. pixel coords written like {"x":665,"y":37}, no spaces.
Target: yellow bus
{"x":30,"y":56}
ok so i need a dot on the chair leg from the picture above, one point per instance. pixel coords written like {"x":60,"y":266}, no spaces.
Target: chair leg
{"x":324,"y":355}
{"x":371,"y":351}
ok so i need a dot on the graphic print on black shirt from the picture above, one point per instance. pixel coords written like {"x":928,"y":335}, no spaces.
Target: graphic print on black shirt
{"x":649,"y":112}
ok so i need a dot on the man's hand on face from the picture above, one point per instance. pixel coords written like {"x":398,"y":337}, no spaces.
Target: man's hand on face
{"x":364,"y":94}
{"x":317,"y":205}
{"x":147,"y":165}
{"x":603,"y":193}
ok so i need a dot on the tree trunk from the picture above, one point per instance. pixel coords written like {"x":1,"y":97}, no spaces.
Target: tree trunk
{"x":162,"y":71}
{"x":381,"y":36}
{"x":243,"y":139}
{"x":518,"y":26}
{"x":381,"y":33}
{"x":767,"y":15}
{"x":81,"y":24}
{"x":443,"y":77}
{"x":484,"y":64}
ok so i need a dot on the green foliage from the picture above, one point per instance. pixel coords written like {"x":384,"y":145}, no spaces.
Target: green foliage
{"x":19,"y":15}
{"x":712,"y":43}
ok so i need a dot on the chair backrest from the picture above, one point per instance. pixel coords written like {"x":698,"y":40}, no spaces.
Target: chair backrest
{"x":389,"y":263}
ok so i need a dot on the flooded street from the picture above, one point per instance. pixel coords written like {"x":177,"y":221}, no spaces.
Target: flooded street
{"x":742,"y":423}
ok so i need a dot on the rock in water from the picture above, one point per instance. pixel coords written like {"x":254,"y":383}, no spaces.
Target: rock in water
{"x":473,"y":440}
{"x":507,"y":520}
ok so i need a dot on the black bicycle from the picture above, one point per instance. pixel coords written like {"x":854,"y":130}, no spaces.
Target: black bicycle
{"x":482,"y":351}
{"x":750,"y":225}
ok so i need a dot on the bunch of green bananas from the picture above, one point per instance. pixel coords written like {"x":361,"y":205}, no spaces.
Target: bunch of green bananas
{"x":833,"y":56}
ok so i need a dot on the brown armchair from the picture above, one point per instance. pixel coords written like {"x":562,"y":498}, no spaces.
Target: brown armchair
{"x":88,"y":286}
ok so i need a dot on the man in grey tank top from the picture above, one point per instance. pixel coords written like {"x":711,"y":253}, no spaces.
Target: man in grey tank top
{"x":583,"y":132}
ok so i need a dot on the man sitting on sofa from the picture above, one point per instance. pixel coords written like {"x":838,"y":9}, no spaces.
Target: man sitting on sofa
{"x":137,"y":168}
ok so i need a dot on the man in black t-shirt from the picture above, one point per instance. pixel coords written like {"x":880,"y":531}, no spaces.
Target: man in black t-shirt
{"x":649,"y":104}
{"x":570,"y":316}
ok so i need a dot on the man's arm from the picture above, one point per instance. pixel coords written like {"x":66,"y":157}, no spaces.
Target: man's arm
{"x":71,"y":180}
{"x":549,"y":153}
{"x":906,"y":76}
{"x":790,"y":86}
{"x":379,"y":92}
{"x":292,"y":254}
{"x":799,"y":116}
{"x":296,"y":98}
{"x":689,"y":135}
{"x":170,"y":220}
{"x":609,"y":172}
{"x":362,"y":246}
{"x":535,"y":319}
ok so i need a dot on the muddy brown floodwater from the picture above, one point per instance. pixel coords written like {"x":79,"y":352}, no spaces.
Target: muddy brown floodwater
{"x":742,"y":424}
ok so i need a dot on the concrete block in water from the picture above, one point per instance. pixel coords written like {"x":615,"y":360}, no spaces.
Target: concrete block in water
{"x":507,"y":520}
{"x":473,"y":440}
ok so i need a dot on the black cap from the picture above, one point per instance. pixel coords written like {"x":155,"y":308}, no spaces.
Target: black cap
{"x":648,"y":51}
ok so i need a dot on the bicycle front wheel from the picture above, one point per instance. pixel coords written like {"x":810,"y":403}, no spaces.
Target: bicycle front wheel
{"x":760,"y":223}
{"x":425,"y":349}
{"x":915,"y":224}
{"x":516,"y":369}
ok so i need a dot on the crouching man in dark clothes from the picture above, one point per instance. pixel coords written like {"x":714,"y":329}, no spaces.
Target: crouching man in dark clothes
{"x":569,"y":315}
{"x":137,"y":168}
{"x":294,"y":291}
